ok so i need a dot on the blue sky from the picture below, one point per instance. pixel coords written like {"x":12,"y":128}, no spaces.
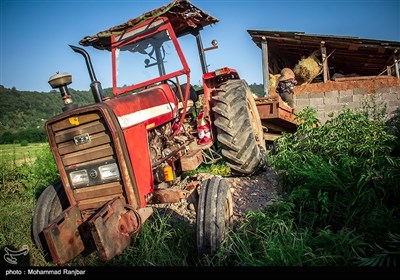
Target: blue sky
{"x":34,"y":34}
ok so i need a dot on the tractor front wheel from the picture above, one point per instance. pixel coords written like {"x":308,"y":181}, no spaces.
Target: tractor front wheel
{"x":214,"y":215}
{"x":49,"y":206}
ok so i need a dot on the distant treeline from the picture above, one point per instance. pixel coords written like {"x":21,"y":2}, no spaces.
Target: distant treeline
{"x":24,"y":113}
{"x":257,"y":89}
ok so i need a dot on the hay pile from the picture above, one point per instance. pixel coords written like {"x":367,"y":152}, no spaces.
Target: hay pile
{"x":307,"y":69}
{"x":273,"y":80}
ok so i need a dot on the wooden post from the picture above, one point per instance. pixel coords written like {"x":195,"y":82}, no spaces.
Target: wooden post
{"x":324,"y":61}
{"x":389,"y":70}
{"x":265,"y":66}
{"x":396,"y":66}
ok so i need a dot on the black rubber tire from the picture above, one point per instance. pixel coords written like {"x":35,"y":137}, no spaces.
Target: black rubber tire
{"x":239,"y":129}
{"x":49,"y":206}
{"x":214,"y":215}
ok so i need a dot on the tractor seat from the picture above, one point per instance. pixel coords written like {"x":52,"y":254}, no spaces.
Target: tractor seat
{"x":192,"y":93}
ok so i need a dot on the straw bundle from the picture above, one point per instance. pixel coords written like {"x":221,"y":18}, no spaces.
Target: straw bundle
{"x":307,"y":69}
{"x":273,"y":80}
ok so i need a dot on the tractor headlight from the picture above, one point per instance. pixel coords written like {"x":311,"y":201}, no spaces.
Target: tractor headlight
{"x":109,"y":172}
{"x":79,"y":177}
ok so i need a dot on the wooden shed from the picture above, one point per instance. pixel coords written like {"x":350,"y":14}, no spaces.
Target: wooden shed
{"x":347,"y":56}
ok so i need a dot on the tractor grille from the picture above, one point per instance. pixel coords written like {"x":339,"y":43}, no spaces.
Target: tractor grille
{"x":84,"y":143}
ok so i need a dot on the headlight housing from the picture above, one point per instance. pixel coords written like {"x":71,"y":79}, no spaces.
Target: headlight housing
{"x":79,"y":178}
{"x":94,"y":175}
{"x":109,"y":172}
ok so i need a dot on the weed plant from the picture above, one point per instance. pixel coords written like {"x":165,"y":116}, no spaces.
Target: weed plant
{"x":341,"y":201}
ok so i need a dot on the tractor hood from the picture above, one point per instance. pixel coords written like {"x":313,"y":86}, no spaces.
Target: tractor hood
{"x":183,"y":15}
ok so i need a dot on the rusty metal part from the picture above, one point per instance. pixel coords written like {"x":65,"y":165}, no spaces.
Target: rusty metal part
{"x":192,"y":185}
{"x":112,"y":228}
{"x":183,"y":15}
{"x":192,"y":160}
{"x":145,"y":213}
{"x":168,"y":196}
{"x":127,"y":173}
{"x":276,"y":113}
{"x":210,"y":156}
{"x":94,"y":197}
{"x":98,"y":114}
{"x":129,"y":223}
{"x":63,"y":237}
{"x":169,"y":156}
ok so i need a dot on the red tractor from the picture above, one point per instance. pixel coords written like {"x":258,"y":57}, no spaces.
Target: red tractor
{"x":119,"y":156}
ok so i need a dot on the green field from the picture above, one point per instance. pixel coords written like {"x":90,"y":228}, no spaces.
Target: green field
{"x":20,"y":154}
{"x":339,"y":204}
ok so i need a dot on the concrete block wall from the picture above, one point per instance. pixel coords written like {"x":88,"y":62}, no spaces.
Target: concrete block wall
{"x":334,"y":101}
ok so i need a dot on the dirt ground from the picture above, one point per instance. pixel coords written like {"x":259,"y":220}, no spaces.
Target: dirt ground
{"x":249,"y":193}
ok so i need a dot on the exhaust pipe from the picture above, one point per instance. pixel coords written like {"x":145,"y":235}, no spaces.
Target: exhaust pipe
{"x":95,"y":85}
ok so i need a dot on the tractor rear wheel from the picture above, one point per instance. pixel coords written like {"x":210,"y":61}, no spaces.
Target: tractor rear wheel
{"x":239,"y":129}
{"x":214,"y":215}
{"x":49,"y":206}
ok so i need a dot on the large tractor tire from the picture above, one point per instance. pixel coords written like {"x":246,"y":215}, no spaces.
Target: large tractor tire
{"x":239,"y":129}
{"x":49,"y":206}
{"x":214,"y":215}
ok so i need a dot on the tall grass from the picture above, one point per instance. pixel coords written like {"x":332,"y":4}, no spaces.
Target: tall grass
{"x":27,"y":176}
{"x":160,"y":242}
{"x":339,"y":205}
{"x":267,"y":239}
{"x":345,"y":166}
{"x":340,"y":200}
{"x":342,"y":186}
{"x":20,"y":184}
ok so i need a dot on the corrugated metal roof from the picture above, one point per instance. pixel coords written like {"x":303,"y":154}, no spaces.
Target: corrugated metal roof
{"x":183,"y":15}
{"x":365,"y":57}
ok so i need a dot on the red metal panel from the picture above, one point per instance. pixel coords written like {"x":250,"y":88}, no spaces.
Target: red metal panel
{"x":166,"y":26}
{"x":213,"y":80}
{"x":138,"y":148}
{"x":154,"y":107}
{"x":149,"y":108}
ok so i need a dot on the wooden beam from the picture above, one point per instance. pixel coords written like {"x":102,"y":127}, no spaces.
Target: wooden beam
{"x":280,"y":39}
{"x":272,"y":126}
{"x":346,"y":79}
{"x":391,"y":58}
{"x":271,"y":136}
{"x":389,"y":70}
{"x":265,"y":67}
{"x":353,"y":44}
{"x":324,"y":62}
{"x":381,"y":50}
{"x":353,"y":47}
